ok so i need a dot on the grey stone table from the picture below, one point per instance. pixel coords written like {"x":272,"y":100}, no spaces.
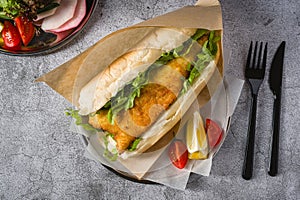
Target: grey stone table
{"x":41,"y":159}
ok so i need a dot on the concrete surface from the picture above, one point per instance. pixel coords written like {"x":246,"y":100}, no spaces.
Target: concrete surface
{"x":41,"y":159}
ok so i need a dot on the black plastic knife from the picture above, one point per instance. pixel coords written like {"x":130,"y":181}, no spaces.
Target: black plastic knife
{"x":275,"y":82}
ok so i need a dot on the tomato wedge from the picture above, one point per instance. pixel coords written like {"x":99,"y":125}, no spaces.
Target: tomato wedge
{"x":214,"y":133}
{"x":26,"y":29}
{"x":11,"y":36}
{"x":178,"y":154}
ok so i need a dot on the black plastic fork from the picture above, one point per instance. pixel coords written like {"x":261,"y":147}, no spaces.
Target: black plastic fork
{"x":254,"y":74}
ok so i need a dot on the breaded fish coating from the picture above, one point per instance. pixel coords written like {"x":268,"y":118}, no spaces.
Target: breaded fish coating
{"x":162,"y":90}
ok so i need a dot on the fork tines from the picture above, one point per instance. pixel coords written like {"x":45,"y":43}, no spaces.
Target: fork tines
{"x":255,"y":68}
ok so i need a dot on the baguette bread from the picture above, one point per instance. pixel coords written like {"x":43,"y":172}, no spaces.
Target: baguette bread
{"x":105,"y":85}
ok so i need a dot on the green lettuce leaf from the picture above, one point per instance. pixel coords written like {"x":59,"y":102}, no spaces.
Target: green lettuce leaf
{"x":165,"y":58}
{"x":124,"y":99}
{"x":199,"y":33}
{"x":186,"y":47}
{"x":134,"y":144}
{"x":78,"y":119}
{"x":10,"y":8}
{"x":209,"y":50}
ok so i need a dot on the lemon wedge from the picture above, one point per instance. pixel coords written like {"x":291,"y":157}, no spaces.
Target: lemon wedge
{"x":1,"y":27}
{"x":1,"y":41}
{"x":196,"y":138}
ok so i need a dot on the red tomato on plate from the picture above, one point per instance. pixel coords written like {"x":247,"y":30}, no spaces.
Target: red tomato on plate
{"x":178,"y":154}
{"x":26,"y":29}
{"x":214,"y":133}
{"x":11,"y":36}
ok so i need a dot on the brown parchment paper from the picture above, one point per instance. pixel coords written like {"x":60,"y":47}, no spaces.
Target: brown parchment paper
{"x":69,"y":78}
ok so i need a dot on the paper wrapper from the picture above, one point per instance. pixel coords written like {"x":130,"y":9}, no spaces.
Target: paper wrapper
{"x":220,"y":107}
{"x":69,"y":78}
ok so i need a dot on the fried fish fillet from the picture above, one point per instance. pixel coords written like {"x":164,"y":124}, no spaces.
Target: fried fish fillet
{"x":161,"y":91}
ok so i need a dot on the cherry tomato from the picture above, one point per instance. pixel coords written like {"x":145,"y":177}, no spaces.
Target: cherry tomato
{"x":26,"y":29}
{"x":11,"y":36}
{"x":178,"y":154}
{"x":214,"y":133}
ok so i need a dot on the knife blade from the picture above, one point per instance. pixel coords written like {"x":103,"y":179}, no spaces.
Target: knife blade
{"x":275,"y":83}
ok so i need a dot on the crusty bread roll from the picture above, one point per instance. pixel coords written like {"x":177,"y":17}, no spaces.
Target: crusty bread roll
{"x":106,"y":84}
